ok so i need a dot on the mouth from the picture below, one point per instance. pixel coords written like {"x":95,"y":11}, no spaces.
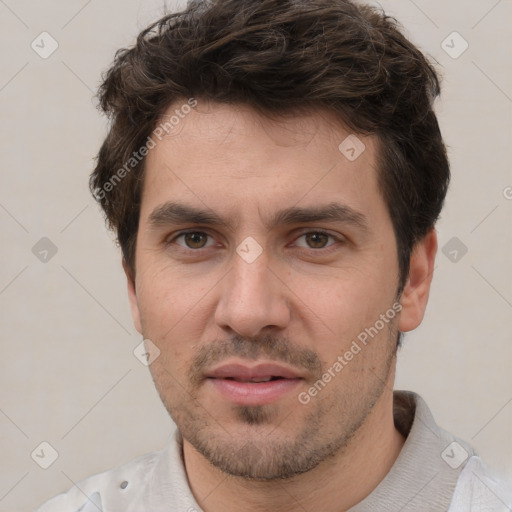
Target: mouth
{"x":260,"y":384}
{"x":255,"y":379}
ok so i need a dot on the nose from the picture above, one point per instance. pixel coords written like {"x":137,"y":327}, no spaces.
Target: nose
{"x":252,"y":298}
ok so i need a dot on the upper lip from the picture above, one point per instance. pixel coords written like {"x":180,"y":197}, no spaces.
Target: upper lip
{"x":246,"y":372}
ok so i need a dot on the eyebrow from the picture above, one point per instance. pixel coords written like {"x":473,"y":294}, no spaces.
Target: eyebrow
{"x":172,"y":213}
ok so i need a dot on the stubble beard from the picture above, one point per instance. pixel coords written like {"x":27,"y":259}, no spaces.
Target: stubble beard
{"x":272,"y":452}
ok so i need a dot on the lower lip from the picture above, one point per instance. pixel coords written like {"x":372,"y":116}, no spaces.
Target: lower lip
{"x":254,"y":393}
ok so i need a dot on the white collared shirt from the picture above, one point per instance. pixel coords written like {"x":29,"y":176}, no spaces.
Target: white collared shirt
{"x":434,"y":472}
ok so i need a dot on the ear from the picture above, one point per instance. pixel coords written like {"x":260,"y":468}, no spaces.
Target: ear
{"x":132,"y":296}
{"x":417,"y":287}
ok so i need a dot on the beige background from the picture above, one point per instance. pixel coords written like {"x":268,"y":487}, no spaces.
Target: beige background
{"x":68,"y":375}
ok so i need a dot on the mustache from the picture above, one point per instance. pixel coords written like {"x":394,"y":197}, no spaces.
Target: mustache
{"x":269,"y":346}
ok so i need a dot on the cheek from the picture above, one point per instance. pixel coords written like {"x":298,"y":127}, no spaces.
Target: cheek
{"x":172,"y":309}
{"x":345,"y":310}
{"x":350,"y":297}
{"x":167,"y":296}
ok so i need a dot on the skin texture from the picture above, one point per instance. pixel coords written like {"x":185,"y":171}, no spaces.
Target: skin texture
{"x":301,"y":303}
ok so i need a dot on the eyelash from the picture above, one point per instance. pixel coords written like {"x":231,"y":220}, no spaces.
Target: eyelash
{"x":316,"y":232}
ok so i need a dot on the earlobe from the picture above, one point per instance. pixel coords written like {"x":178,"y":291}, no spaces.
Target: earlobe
{"x":416,"y":291}
{"x":132,"y":297}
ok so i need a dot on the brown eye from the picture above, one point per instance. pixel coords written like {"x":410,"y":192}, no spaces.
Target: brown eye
{"x":195,"y":239}
{"x":316,"y":240}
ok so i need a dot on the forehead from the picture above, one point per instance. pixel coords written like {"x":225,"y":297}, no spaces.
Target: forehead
{"x":231,"y":156}
{"x":225,"y":124}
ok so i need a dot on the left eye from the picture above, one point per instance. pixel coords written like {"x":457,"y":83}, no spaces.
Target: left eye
{"x":316,"y":239}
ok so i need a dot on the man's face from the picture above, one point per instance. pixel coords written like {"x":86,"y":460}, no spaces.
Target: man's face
{"x":265,"y":285}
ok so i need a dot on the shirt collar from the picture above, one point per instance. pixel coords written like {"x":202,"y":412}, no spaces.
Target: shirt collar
{"x":425,"y":472}
{"x":423,"y":476}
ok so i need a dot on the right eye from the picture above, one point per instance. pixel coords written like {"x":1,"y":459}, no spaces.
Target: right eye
{"x":193,"y":240}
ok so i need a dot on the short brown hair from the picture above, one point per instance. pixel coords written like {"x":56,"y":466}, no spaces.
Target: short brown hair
{"x":280,"y":57}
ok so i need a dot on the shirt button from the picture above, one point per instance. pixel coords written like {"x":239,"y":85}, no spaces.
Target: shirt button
{"x":124,"y":484}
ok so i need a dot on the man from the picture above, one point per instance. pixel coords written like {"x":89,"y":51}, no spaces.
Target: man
{"x":274,"y":171}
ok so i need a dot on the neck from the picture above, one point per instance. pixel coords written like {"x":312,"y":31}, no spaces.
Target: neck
{"x":333,"y":486}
